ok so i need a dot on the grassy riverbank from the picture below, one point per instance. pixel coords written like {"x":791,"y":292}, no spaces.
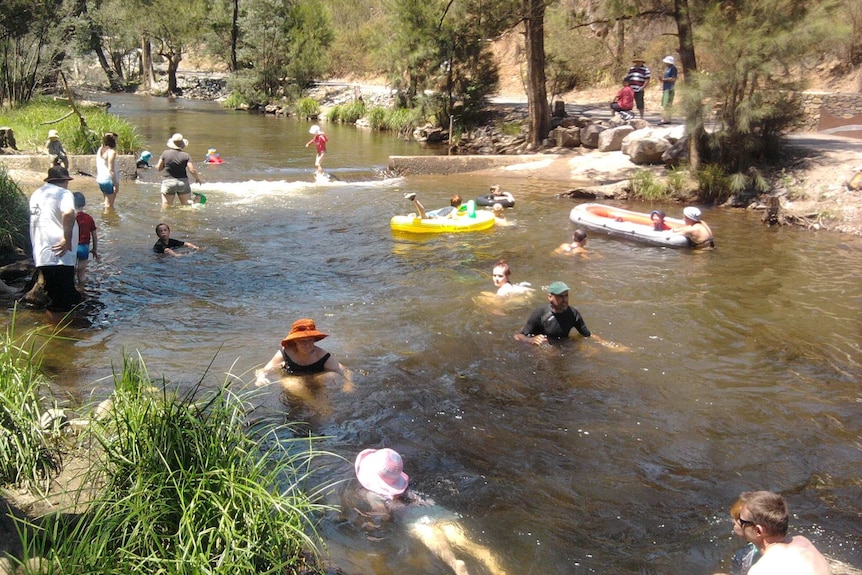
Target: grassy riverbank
{"x":169,"y":479}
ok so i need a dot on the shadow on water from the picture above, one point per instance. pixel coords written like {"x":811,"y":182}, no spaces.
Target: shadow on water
{"x":742,"y":373}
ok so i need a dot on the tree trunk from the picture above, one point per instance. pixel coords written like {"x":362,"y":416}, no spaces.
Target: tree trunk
{"x":173,"y":65}
{"x":147,"y":63}
{"x":694,"y":116}
{"x":537,"y":93}
{"x":234,"y":34}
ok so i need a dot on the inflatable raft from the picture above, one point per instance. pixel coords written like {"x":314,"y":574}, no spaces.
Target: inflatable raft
{"x":626,"y":224}
{"x":461,"y":223}
{"x":505,"y":199}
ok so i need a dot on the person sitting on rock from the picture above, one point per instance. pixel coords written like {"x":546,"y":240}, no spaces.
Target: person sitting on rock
{"x":624,"y":101}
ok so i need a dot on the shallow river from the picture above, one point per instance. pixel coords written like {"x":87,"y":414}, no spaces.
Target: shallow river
{"x":742,"y":370}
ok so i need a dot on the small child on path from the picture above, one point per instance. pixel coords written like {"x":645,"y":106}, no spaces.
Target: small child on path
{"x":87,"y":230}
{"x":55,"y":149}
{"x":319,"y":140}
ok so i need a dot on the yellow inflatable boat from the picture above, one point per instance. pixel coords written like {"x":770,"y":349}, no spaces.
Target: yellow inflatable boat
{"x":461,"y":223}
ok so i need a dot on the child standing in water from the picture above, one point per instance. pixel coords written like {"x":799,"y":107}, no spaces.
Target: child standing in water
{"x":319,"y":140}
{"x":87,"y":230}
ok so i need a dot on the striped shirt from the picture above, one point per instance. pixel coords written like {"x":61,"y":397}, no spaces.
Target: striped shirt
{"x":638,"y":76}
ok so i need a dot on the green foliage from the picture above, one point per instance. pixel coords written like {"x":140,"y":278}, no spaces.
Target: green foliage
{"x":346,"y":113}
{"x":400,"y":120}
{"x":245,"y":88}
{"x":755,"y":48}
{"x":184,"y":488}
{"x":645,"y":186}
{"x":311,"y":35}
{"x":234,"y":101}
{"x":33,"y":120}
{"x":713,"y":184}
{"x":28,"y":454}
{"x":307,"y":108}
{"x":676,"y":182}
{"x":511,"y":128}
{"x":14,"y":214}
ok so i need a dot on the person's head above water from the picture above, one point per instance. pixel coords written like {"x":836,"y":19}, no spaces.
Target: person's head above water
{"x":579,"y":236}
{"x":301,"y":329}
{"x":381,"y":471}
{"x":455,"y":201}
{"x":691,"y":213}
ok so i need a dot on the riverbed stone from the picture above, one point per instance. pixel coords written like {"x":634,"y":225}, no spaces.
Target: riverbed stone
{"x":611,"y":140}
{"x":590,"y":135}
{"x":567,"y":137}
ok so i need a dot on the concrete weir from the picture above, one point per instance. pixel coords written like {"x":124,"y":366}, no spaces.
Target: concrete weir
{"x":427,"y":165}
{"x":77,"y":164}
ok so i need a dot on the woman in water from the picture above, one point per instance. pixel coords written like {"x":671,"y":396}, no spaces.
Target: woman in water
{"x":107,"y":173}
{"x":500,"y":274}
{"x":300,"y":355}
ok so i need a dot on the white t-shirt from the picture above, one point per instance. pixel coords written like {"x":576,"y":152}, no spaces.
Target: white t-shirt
{"x":47,"y":205}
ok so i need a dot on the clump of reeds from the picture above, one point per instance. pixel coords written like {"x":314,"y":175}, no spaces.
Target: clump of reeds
{"x":28,"y":453}
{"x":183,"y":487}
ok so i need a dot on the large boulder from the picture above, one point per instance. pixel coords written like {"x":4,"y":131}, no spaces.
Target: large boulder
{"x":567,"y":137}
{"x":590,"y":135}
{"x":611,"y":140}
{"x":646,"y":150}
{"x":677,"y":154}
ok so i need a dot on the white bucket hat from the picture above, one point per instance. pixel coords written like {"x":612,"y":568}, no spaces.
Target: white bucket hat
{"x":381,"y":471}
{"x":692,"y":213}
{"x":315,"y":129}
{"x":669,"y":60}
{"x":177,"y":142}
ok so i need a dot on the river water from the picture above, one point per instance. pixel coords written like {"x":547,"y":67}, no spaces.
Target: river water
{"x":737,"y":369}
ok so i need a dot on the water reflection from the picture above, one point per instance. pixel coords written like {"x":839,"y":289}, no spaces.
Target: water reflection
{"x":743,"y":371}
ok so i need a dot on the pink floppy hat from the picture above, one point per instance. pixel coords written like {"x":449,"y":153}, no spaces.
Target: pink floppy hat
{"x":381,"y":471}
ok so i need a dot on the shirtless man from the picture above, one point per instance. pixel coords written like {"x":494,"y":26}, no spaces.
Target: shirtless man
{"x":763,"y":520}
{"x":698,"y":233}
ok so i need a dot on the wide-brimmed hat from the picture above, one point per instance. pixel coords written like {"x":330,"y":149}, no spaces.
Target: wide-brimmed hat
{"x":58,"y":174}
{"x":146,"y":156}
{"x":53,"y":134}
{"x":557,"y":288}
{"x":638,"y":59}
{"x":177,"y":142}
{"x":669,"y":60}
{"x":315,"y":129}
{"x":381,"y":471}
{"x":302,"y":328}
{"x":692,"y":213}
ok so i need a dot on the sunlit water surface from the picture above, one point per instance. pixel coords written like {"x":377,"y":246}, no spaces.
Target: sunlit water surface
{"x":742,"y":372}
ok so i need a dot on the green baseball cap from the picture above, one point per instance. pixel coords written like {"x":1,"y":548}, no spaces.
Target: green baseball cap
{"x":557,"y":288}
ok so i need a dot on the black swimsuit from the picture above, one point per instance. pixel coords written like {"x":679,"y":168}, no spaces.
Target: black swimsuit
{"x":707,"y":242}
{"x":292,"y":367}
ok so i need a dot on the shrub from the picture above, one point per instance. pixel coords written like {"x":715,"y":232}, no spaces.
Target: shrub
{"x":645,"y":186}
{"x":185,"y":489}
{"x":713,"y":184}
{"x":28,"y":453}
{"x":234,"y":101}
{"x":14,"y":214}
{"x":347,"y":113}
{"x":33,"y":120}
{"x":676,"y":182}
{"x":307,"y":108}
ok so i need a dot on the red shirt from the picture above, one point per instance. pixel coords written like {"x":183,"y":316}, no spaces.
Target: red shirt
{"x":320,"y":142}
{"x":625,"y":98}
{"x":86,"y":227}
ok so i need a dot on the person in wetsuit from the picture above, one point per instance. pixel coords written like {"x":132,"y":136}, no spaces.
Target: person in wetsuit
{"x":555,"y":320}
{"x":695,"y":230}
{"x":299,"y":354}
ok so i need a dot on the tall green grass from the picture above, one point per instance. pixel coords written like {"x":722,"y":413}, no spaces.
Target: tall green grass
{"x":645,"y":186}
{"x":307,"y":108}
{"x":185,"y":488}
{"x":32,"y":121}
{"x":14,"y":213}
{"x":346,"y":113}
{"x":28,"y":453}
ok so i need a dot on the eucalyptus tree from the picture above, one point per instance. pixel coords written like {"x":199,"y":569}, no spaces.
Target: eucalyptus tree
{"x":439,"y":54}
{"x":31,"y":47}
{"x":758,"y":50}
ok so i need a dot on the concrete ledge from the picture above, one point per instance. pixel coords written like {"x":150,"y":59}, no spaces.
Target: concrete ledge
{"x":458,"y":164}
{"x":86,"y":164}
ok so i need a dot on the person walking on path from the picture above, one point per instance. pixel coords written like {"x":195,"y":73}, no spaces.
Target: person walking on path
{"x":177,"y":166}
{"x":639,"y":77}
{"x":668,"y":88}
{"x":54,"y":235}
{"x":319,"y":140}
{"x":107,"y":174}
